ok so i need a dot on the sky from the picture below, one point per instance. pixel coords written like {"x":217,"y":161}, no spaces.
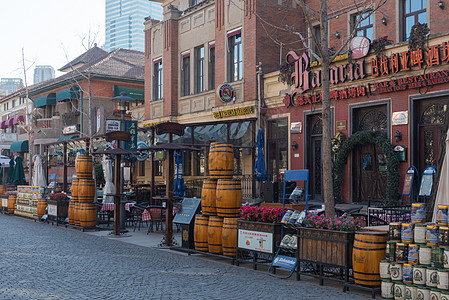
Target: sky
{"x":50,"y":32}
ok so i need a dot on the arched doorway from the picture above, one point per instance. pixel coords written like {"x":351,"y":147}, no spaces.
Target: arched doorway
{"x":369,"y":164}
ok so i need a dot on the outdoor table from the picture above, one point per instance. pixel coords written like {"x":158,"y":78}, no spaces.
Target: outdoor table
{"x":111,"y":206}
{"x":118,"y":199}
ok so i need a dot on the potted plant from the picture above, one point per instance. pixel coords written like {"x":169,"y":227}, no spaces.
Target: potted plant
{"x":417,"y":36}
{"x":58,"y":196}
{"x":379,"y":44}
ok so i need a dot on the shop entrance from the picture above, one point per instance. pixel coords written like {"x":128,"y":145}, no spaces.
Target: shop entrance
{"x":369,"y":172}
{"x":314,"y":161}
{"x":431,"y":129}
{"x":277,"y":147}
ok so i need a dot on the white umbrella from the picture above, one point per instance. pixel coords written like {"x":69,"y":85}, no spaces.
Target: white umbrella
{"x":109,"y":186}
{"x":443,"y":186}
{"x":38,"y":173}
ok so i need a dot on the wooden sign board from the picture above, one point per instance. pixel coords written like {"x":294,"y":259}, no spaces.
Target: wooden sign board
{"x":341,"y":125}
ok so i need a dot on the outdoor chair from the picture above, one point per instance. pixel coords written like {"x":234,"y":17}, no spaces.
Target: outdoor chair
{"x":157,"y":214}
{"x":137,"y":211}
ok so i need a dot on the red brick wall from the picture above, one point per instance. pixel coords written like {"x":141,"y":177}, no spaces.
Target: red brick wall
{"x":170,"y":67}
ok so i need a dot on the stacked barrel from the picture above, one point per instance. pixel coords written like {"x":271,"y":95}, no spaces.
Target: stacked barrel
{"x":221,"y":199}
{"x":416,"y":259}
{"x":84,"y":211}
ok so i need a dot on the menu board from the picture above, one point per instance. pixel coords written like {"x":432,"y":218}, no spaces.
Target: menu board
{"x":408,"y":184}
{"x":187,"y":211}
{"x":427,"y":181}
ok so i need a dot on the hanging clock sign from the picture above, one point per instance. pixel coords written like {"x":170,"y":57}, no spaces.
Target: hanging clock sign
{"x":225,"y":93}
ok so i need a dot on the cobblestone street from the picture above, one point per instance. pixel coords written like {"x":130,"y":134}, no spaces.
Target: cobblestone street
{"x":41,"y":261}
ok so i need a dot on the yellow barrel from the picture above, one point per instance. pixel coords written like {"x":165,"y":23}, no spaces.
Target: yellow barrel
{"x":11,"y":204}
{"x":215,"y":234}
{"x":84,"y":166}
{"x":87,"y":214}
{"x":229,"y":198}
{"x":229,"y":237}
{"x":86,"y":190}
{"x":41,"y":206}
{"x":200,"y":232}
{"x":221,"y":160}
{"x":208,"y":197}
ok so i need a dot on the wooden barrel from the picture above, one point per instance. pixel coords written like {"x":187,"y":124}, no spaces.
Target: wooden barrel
{"x":229,"y":237}
{"x":208,"y":196}
{"x":87,"y":214}
{"x":11,"y":204}
{"x":221,"y":161}
{"x":369,"y":250}
{"x":2,"y":190}
{"x":76,"y":215}
{"x":214,"y":235}
{"x":229,"y":198}
{"x":84,"y":166}
{"x":71,"y":212}
{"x":200,"y":232}
{"x":74,"y":200}
{"x":41,"y":206}
{"x":86,"y":190}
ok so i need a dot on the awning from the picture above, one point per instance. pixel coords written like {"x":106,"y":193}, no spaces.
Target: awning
{"x":68,"y":93}
{"x":9,"y":122}
{"x":49,"y":99}
{"x":3,"y":125}
{"x":133,"y":92}
{"x":18,"y":119}
{"x":19,"y":147}
{"x":65,"y":138}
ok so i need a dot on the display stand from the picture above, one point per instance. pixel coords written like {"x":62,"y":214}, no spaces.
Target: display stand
{"x":408,"y":191}
{"x":185,"y":217}
{"x":425,"y":189}
{"x":285,"y":257}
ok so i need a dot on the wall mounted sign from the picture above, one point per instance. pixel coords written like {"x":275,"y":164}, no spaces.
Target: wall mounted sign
{"x":296,"y":127}
{"x":341,"y":125}
{"x":143,"y":154}
{"x":112,"y":125}
{"x":233,"y":112}
{"x":131,"y":127}
{"x":70,"y":129}
{"x":225,"y":93}
{"x":400,"y":118}
{"x":305,"y":79}
{"x":360,"y":47}
{"x":255,"y":240}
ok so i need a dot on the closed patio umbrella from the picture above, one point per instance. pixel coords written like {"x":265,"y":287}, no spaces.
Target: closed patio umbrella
{"x":260,"y":170}
{"x":18,"y":176}
{"x":38,"y":173}
{"x":109,"y":184}
{"x":178,"y":184}
{"x":441,"y":197}
{"x":10,"y":171}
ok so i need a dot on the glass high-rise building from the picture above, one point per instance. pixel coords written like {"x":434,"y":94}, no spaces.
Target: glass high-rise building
{"x":10,"y":85}
{"x":124,"y":23}
{"x":42,"y":73}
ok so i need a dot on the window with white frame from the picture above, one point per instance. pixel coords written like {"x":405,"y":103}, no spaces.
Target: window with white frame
{"x":199,"y":69}
{"x":185,"y":75}
{"x":235,"y":56}
{"x":157,"y":80}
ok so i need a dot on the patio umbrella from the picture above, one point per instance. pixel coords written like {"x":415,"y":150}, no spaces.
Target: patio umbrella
{"x":109,"y":185}
{"x":18,"y":176}
{"x":38,"y":173}
{"x":260,"y":171}
{"x":178,"y":184}
{"x":10,"y":171}
{"x":443,"y":185}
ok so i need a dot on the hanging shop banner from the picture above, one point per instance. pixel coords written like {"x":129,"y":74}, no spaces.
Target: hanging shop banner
{"x":234,"y":112}
{"x":225,"y":93}
{"x":144,"y":154}
{"x":112,"y":125}
{"x":255,"y":240}
{"x":131,"y":127}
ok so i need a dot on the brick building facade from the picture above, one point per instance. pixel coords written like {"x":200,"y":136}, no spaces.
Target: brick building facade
{"x":403,"y":95}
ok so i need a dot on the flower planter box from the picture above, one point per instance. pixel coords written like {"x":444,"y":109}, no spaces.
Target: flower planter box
{"x":326,"y":246}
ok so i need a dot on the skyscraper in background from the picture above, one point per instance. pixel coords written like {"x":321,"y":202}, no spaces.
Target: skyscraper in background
{"x":10,"y":85}
{"x":42,"y":73}
{"x":124,"y":23}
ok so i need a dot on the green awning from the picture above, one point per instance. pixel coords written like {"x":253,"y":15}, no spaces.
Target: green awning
{"x":19,"y":147}
{"x":133,"y":92}
{"x":49,"y":99}
{"x":65,"y":138}
{"x":68,"y":93}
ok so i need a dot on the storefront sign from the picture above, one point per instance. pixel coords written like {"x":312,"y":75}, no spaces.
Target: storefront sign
{"x":225,"y":93}
{"x":233,"y":112}
{"x":112,"y":125}
{"x":131,"y":127}
{"x":143,"y":154}
{"x":284,"y":261}
{"x":70,"y":129}
{"x":52,"y":210}
{"x":295,"y":127}
{"x":255,"y":240}
{"x":400,"y":118}
{"x":154,"y":124}
{"x":360,"y":47}
{"x":305,"y":79}
{"x":99,"y":119}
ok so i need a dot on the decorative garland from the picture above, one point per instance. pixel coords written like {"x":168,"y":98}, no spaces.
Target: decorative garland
{"x":417,"y":38}
{"x":285,"y":72}
{"x":364,"y":137}
{"x":378,"y":45}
